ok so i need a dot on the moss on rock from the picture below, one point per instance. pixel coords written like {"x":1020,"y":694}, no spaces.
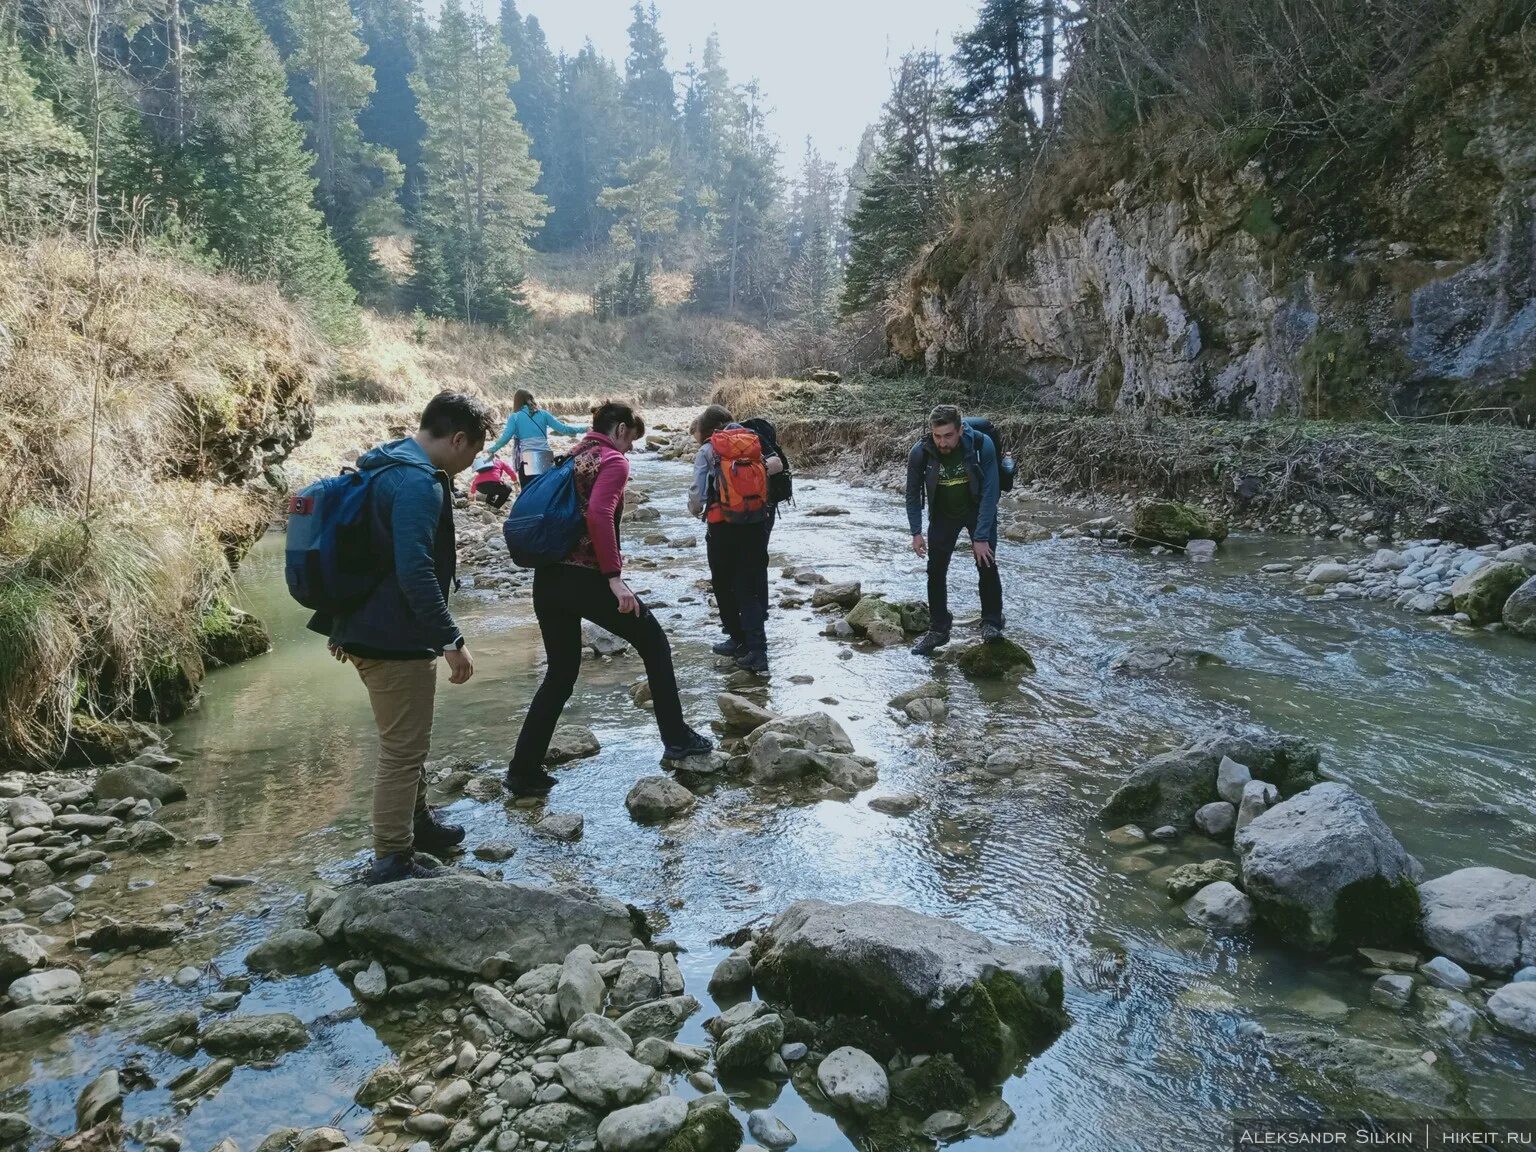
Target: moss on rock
{"x":870,"y":611}
{"x":226,"y":635}
{"x":708,"y":1129}
{"x":994,"y":659}
{"x":1175,"y":523}
{"x":935,"y":1085}
{"x":1482,"y":594}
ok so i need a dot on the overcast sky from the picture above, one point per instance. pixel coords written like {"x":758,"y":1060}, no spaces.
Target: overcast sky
{"x":824,"y":64}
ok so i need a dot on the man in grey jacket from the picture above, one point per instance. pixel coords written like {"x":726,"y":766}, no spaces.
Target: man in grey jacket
{"x":395,"y":637}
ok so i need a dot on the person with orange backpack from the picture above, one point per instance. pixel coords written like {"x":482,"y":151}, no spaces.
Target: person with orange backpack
{"x":730,"y":492}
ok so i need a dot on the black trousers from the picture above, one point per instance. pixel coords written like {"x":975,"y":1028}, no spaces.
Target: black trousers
{"x":563,"y":596}
{"x":738,"y":569}
{"x":943,"y":536}
{"x":495,"y":492}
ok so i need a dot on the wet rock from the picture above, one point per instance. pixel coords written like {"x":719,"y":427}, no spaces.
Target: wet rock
{"x":747,"y":1047}
{"x":1446,"y":973}
{"x":993,"y":660}
{"x":571,"y":742}
{"x":1513,"y":1008}
{"x":255,"y":1037}
{"x":1216,"y":819}
{"x":133,"y":934}
{"x":854,"y":1080}
{"x":1354,"y":1073}
{"x":428,"y":1124}
{"x":1219,"y":907}
{"x":14,"y":1127}
{"x":1187,"y":879}
{"x":1330,"y":573}
{"x":657,"y":798}
{"x":769,"y":1130}
{"x":382,"y":1083}
{"x":601,"y":641}
{"x":565,"y":826}
{"x":1167,"y":789}
{"x":50,"y":986}
{"x":1483,"y":593}
{"x":792,"y":747}
{"x":204,"y":1080}
{"x":1393,"y":991}
{"x":289,"y":950}
{"x":168,"y":1027}
{"x":1150,"y":659}
{"x":558,"y":1123}
{"x":1231,"y":779}
{"x":732,"y":973}
{"x":845,"y":595}
{"x":101,"y":1100}
{"x":139,"y":782}
{"x":876,"y":620}
{"x":639,"y":979}
{"x":1520,"y":609}
{"x":147,"y":836}
{"x":642,"y":1127}
{"x":658,"y":1018}
{"x":495,"y":851}
{"x":371,"y":984}
{"x":457,"y":922}
{"x":1259,"y":796}
{"x":580,"y":989}
{"x":38,"y":1020}
{"x":897,"y":804}
{"x":1323,"y":867}
{"x":1485,"y":917}
{"x":934,"y":982}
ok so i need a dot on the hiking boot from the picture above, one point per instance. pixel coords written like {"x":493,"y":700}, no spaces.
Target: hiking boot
{"x":694,"y":745}
{"x":991,"y":632}
{"x":728,"y":647}
{"x":929,"y":642}
{"x":434,"y":835}
{"x":753,"y":662}
{"x":535,"y":783}
{"x":399,"y":866}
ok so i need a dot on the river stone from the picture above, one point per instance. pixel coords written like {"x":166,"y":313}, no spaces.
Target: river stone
{"x":38,"y":1020}
{"x":1219,"y":907}
{"x":927,"y":710}
{"x":29,"y":812}
{"x":50,"y":986}
{"x":1323,"y":867}
{"x":20,"y":953}
{"x":580,"y":989}
{"x":205,"y":1080}
{"x":255,"y":1037}
{"x":845,"y":595}
{"x":1485,"y":917}
{"x":112,"y":937}
{"x":897,"y":804}
{"x":854,"y":1080}
{"x":741,"y":715}
{"x":791,"y":747}
{"x":1175,"y":523}
{"x":1520,"y":609}
{"x":571,"y":742}
{"x":993,"y":659}
{"x":1169,"y":788}
{"x":600,"y":1032}
{"x":14,"y":1127}
{"x":1443,"y":972}
{"x":102,"y":1098}
{"x":933,"y":983}
{"x":657,"y":798}
{"x":1329,"y":573}
{"x":566,"y":826}
{"x":382,"y":1083}
{"x":1513,"y":1008}
{"x":41,"y":898}
{"x":1231,"y":779}
{"x":639,"y":979}
{"x":139,"y":782}
{"x":734,"y":972}
{"x":1187,"y":879}
{"x":289,"y":950}
{"x":769,"y":1129}
{"x":605,"y":1078}
{"x":1354,"y":1073}
{"x":1146,"y":659}
{"x":870,"y":613}
{"x":659,"y":1017}
{"x":929,"y":690}
{"x":1216,"y":819}
{"x":642,"y":1127}
{"x":1393,"y":991}
{"x":747,"y":1047}
{"x":147,"y":836}
{"x":456,"y":922}
{"x":1259,"y":796}
{"x":1482,"y":593}
{"x":504,"y":1014}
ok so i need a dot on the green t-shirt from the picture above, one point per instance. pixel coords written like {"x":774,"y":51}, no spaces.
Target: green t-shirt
{"x":952,"y":498}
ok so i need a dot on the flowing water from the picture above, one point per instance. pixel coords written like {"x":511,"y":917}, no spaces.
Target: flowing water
{"x":1432,"y":723}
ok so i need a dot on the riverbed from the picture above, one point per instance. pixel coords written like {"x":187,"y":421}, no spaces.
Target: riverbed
{"x":1429,"y":721}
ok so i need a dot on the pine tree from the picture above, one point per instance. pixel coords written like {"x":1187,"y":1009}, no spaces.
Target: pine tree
{"x":650,"y":103}
{"x":358,"y":182}
{"x":42,"y":160}
{"x":392,"y":30}
{"x":245,"y":174}
{"x":585,"y":153}
{"x":1004,"y":101}
{"x":479,"y":207}
{"x":645,"y":208}
{"x":536,"y":90}
{"x":813,"y":285}
{"x":712,"y":112}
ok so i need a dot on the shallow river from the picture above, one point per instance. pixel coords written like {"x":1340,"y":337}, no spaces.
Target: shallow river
{"x":1432,"y":723}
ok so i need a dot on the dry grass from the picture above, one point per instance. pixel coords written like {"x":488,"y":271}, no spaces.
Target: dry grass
{"x":180,"y":368}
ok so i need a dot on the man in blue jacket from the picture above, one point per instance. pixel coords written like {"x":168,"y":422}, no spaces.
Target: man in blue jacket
{"x":394,"y":638}
{"x":953,"y":470}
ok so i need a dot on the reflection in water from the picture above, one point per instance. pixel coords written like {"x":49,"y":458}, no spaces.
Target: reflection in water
{"x":1430,"y":723}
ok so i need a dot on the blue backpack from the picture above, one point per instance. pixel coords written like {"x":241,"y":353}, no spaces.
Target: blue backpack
{"x":330,"y":565}
{"x":547,"y":520}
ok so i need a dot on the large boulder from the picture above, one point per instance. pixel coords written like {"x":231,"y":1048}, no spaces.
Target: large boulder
{"x":1485,"y":917}
{"x":1356,"y":1074}
{"x":876,"y":620}
{"x":1323,"y":868}
{"x":1482,"y":594}
{"x":255,"y":1037}
{"x":813,"y":744}
{"x":1175,"y":523}
{"x":1170,"y":788}
{"x":139,"y":781}
{"x":931,"y":983}
{"x":1520,"y":609}
{"x":456,"y":922}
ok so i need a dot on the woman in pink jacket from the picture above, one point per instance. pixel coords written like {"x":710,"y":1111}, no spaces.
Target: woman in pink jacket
{"x":589,"y":585}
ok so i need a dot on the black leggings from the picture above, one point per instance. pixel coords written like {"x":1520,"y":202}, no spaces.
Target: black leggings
{"x":495,"y":492}
{"x":563,"y":596}
{"x":738,"y":568}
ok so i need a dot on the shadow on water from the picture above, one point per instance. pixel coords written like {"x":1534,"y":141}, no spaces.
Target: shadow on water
{"x":1431,"y":723}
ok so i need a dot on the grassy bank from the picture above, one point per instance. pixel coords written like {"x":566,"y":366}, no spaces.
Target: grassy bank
{"x":1453,"y":479}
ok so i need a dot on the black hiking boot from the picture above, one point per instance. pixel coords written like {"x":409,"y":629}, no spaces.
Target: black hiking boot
{"x":728,"y":647}
{"x":991,"y":632}
{"x":434,"y":835}
{"x":695,"y":745}
{"x":399,"y":866}
{"x":929,"y":642}
{"x":535,"y":783}
{"x":753,"y":661}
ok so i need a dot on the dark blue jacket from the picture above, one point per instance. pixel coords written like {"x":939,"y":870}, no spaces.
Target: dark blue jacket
{"x":980,"y":466}
{"x":411,"y":508}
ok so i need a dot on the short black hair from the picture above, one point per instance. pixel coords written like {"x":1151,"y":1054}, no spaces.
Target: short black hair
{"x":714,"y":418}
{"x":611,"y":413}
{"x":450,"y":412}
{"x":945,"y":416}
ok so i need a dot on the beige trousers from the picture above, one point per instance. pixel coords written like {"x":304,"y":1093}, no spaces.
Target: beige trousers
{"x":402,"y":694}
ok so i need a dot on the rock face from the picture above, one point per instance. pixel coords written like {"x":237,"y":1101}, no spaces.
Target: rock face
{"x":1175,"y":523}
{"x":454,"y":923}
{"x":1168,"y":789}
{"x":1323,"y":867}
{"x":935,"y":984}
{"x":1483,"y":593}
{"x":1355,"y":1073}
{"x":1485,"y":917}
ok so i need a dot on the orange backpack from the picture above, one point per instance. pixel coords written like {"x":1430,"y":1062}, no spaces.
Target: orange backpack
{"x":741,"y":482}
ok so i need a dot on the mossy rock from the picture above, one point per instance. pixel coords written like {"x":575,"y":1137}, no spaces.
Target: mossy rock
{"x":226,"y":636}
{"x":889,"y":1131}
{"x":872,"y":610}
{"x":994,"y":659}
{"x":1187,"y":879}
{"x":1482,"y":594}
{"x":915,"y":617}
{"x":858,"y":1032}
{"x":994,"y":1024}
{"x":94,"y":741}
{"x":937,"y":1084}
{"x":170,"y":687}
{"x":1175,"y":523}
{"x":708,"y":1129}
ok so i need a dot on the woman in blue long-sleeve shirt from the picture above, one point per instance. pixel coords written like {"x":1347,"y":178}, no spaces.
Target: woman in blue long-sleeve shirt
{"x":529,"y":425}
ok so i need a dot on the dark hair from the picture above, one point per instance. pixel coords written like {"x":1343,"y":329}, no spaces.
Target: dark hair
{"x":945,"y":415}
{"x":450,"y":412}
{"x":521,"y":399}
{"x":611,"y":413}
{"x":712,"y":419}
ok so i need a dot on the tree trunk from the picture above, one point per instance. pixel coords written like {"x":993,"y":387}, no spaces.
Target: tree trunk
{"x":1048,"y":67}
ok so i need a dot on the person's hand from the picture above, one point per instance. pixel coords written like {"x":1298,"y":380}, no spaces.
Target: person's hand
{"x":461,"y":666}
{"x":338,"y":653}
{"x":627,"y":599}
{"x":919,"y":545}
{"x":983,"y":553}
